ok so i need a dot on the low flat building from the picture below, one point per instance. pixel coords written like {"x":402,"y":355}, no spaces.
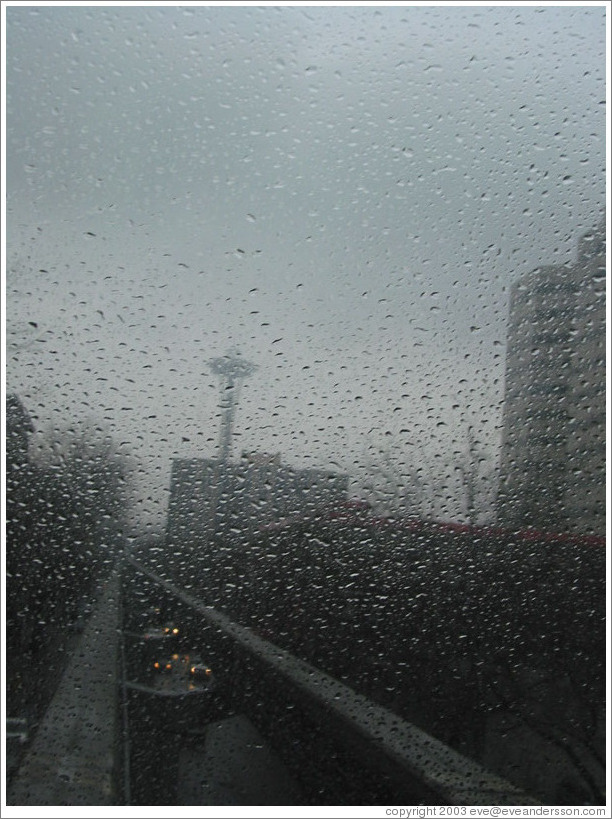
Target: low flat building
{"x":213,"y":497}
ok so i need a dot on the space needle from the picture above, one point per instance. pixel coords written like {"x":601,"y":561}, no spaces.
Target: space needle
{"x":232,"y":369}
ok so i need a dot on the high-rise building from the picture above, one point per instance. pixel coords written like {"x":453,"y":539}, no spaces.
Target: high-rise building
{"x":553,"y":446}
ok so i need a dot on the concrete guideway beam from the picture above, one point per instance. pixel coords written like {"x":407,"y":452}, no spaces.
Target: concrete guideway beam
{"x":72,"y":757}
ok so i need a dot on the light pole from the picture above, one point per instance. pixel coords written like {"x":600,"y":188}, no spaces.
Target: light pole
{"x":232,"y":369}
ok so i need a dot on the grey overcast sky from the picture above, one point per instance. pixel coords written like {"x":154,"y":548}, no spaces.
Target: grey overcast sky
{"x":344,"y":194}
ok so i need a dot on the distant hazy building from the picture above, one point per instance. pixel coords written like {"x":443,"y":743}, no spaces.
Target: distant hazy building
{"x":553,"y":449}
{"x":208,"y":496}
{"x":19,"y":427}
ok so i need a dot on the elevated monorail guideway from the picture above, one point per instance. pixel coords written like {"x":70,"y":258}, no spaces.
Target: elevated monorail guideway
{"x":381,"y":738}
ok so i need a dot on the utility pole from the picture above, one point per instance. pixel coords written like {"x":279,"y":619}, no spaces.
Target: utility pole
{"x":232,"y":370}
{"x":471,"y":473}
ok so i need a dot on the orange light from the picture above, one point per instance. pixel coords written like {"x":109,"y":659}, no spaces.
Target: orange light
{"x":156,"y":665}
{"x":168,"y":666}
{"x":175,"y":631}
{"x":208,"y":672}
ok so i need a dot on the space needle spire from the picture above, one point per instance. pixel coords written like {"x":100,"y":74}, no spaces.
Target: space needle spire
{"x":232,"y":370}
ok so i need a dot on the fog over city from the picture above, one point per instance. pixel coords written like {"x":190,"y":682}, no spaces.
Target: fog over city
{"x":343,"y":195}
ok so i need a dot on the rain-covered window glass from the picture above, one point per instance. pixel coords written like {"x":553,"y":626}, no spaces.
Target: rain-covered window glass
{"x":305,"y":405}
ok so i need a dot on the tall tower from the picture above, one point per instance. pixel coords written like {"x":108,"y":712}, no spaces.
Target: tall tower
{"x":232,"y":370}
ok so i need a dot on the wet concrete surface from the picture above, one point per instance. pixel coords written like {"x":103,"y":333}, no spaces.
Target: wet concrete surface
{"x":71,"y":758}
{"x":234,"y":766}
